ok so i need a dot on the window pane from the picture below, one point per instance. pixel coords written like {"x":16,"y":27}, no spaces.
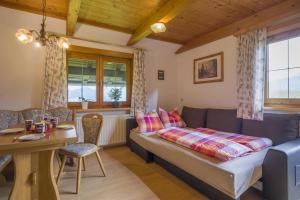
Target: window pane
{"x":294,"y":52}
{"x":278,"y":84}
{"x":294,"y":83}
{"x":114,"y":77}
{"x":81,"y":79}
{"x":278,"y":55}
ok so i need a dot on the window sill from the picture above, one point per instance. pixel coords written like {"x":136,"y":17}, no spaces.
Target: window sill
{"x":100,"y":110}
{"x":286,"y":109}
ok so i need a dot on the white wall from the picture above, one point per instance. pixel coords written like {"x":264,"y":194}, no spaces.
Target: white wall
{"x":21,"y":66}
{"x":215,"y":94}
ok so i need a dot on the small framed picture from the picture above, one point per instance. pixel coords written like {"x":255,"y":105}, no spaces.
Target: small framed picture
{"x":209,"y":69}
{"x":161,"y":75}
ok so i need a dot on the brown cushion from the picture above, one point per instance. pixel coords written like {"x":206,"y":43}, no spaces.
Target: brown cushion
{"x":224,"y":120}
{"x":194,"y":117}
{"x":279,"y":128}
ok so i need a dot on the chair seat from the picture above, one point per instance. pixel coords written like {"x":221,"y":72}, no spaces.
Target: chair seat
{"x":4,"y":160}
{"x":80,"y":149}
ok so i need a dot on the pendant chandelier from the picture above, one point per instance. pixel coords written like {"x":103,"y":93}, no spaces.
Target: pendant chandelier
{"x":41,"y":37}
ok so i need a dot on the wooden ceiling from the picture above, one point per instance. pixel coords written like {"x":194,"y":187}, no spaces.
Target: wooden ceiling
{"x":186,"y":20}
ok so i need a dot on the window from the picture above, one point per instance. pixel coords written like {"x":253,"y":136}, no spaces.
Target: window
{"x":92,"y":74}
{"x":82,"y":79}
{"x":114,"y":77}
{"x":283,"y":73}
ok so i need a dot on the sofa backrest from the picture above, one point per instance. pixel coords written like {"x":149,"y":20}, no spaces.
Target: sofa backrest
{"x":279,"y":128}
{"x":223,"y":120}
{"x":9,"y":118}
{"x":63,"y":114}
{"x":194,"y":117}
{"x":35,"y":114}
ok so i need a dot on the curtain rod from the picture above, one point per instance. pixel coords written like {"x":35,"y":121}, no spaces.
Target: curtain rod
{"x":105,"y":43}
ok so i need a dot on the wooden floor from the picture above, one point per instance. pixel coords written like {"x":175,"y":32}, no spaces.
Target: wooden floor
{"x":128,"y":178}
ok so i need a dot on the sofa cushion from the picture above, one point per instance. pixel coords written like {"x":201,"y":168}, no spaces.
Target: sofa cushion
{"x":171,"y":119}
{"x":63,"y":114}
{"x":224,"y":120}
{"x":34,"y":114}
{"x":279,"y":128}
{"x":8,"y":118}
{"x":148,"y":122}
{"x":194,"y":117}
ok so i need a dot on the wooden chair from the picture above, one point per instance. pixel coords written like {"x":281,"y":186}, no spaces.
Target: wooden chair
{"x":92,"y":125}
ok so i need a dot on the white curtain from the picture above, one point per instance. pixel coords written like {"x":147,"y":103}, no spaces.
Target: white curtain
{"x":251,"y":65}
{"x":139,"y":96}
{"x":55,"y":79}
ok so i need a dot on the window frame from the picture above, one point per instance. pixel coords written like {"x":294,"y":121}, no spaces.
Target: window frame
{"x":129,"y":80}
{"x":278,"y":102}
{"x":101,"y":56}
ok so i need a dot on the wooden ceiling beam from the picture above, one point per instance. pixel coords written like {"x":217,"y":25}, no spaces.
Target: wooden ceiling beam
{"x":260,"y":19}
{"x":164,"y":14}
{"x":73,"y":12}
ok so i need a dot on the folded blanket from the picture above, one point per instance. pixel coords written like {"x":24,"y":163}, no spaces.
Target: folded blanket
{"x":254,"y":143}
{"x":207,"y":144}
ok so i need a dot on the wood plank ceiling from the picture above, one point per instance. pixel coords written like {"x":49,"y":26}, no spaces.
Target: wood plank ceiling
{"x":197,"y":18}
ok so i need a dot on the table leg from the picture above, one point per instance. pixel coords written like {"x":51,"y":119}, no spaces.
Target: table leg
{"x":22,"y":182}
{"x":47,"y":185}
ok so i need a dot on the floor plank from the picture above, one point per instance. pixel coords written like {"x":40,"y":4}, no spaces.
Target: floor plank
{"x":128,"y":178}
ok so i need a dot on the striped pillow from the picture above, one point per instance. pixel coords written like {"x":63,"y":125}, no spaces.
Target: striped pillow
{"x":148,"y":122}
{"x":171,"y":119}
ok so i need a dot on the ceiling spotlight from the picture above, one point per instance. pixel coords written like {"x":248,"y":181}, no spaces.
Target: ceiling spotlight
{"x":158,"y":27}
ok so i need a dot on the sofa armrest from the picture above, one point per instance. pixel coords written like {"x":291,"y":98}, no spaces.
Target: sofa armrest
{"x":130,"y":124}
{"x":281,"y":172}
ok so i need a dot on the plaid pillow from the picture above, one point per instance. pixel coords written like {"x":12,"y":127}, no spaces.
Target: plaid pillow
{"x":149,"y":122}
{"x":171,"y":119}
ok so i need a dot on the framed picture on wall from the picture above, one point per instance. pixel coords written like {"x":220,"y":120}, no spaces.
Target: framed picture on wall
{"x":209,"y":69}
{"x":161,"y":75}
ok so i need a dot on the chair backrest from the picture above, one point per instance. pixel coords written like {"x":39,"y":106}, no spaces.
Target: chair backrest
{"x":92,"y":125}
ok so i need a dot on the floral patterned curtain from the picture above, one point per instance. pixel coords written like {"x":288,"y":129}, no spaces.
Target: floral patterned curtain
{"x":251,"y":65}
{"x":139,"y":96}
{"x":55,"y":80}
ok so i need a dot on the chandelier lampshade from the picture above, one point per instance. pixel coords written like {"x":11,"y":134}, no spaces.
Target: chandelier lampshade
{"x":63,"y":43}
{"x":24,"y":36}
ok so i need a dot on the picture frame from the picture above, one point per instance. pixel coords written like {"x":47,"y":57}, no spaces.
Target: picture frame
{"x":209,"y":69}
{"x":161,"y":75}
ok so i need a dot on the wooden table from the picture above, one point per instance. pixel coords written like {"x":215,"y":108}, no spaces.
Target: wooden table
{"x":34,"y":178}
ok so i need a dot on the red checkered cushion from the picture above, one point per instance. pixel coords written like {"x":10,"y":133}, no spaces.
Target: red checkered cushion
{"x":171,"y":119}
{"x":148,"y":122}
